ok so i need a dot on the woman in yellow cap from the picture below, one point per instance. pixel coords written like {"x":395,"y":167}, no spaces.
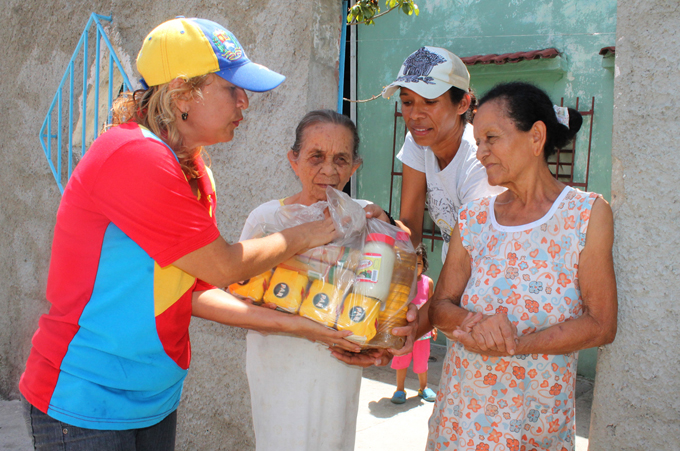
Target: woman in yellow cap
{"x":137,"y":252}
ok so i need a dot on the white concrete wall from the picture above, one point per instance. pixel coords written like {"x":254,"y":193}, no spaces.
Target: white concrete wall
{"x":637,"y":391}
{"x":299,"y":39}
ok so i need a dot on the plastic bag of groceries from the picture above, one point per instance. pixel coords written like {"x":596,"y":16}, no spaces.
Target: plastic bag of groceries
{"x":363,"y":281}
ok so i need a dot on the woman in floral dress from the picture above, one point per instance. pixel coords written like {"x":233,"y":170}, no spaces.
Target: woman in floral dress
{"x":528,"y":282}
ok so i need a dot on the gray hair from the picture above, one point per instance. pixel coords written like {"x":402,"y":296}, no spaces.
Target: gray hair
{"x":326,"y":117}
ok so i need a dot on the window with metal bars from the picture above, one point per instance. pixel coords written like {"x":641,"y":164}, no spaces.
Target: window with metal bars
{"x":564,"y":164}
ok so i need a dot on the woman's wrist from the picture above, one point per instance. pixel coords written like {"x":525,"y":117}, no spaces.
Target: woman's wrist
{"x":521,"y":345}
{"x":297,"y":238}
{"x":287,"y":323}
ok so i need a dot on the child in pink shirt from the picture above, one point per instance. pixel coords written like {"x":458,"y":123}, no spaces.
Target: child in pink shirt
{"x":421,"y":348}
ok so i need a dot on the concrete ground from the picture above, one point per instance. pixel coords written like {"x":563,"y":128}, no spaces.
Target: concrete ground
{"x":381,"y":425}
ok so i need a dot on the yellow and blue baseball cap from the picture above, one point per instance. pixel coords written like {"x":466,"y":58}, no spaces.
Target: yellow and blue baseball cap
{"x":186,"y":48}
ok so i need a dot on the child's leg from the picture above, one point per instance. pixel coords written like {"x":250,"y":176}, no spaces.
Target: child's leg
{"x":401,"y":378}
{"x":401,"y":363}
{"x":421,"y":352}
{"x":422,"y":378}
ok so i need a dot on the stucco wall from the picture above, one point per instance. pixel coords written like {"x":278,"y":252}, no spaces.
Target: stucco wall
{"x":300,"y":40}
{"x":636,"y":404}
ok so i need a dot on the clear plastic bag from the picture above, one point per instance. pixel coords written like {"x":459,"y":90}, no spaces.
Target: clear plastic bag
{"x":322,"y":284}
{"x":402,"y":291}
{"x":391,"y":311}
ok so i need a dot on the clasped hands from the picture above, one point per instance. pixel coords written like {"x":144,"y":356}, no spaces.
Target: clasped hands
{"x":487,"y":334}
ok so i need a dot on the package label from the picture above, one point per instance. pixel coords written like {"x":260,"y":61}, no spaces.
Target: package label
{"x":281,"y":290}
{"x":357,"y":314}
{"x":369,"y":268}
{"x":321,"y":301}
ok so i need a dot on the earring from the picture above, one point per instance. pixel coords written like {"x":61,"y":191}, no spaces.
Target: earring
{"x":185,"y":115}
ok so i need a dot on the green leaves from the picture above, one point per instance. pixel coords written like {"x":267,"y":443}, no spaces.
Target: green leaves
{"x":365,"y":11}
{"x":409,"y":8}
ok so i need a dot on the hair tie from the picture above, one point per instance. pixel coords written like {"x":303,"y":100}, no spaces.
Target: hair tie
{"x":562,"y":114}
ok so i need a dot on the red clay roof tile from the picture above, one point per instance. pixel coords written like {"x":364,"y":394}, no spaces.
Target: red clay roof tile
{"x":604,"y":51}
{"x":510,"y":57}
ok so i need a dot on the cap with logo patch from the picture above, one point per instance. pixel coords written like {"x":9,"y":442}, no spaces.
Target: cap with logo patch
{"x":186,"y":48}
{"x":430,"y":72}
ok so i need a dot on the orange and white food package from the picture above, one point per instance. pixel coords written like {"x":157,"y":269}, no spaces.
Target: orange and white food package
{"x":286,"y":289}
{"x":252,"y":288}
{"x":359,"y":315}
{"x":322,"y":303}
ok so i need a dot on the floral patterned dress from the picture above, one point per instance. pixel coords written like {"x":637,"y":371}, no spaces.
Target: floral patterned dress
{"x":530,"y":273}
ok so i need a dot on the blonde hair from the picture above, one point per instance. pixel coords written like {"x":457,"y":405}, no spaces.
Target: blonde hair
{"x":154,"y":108}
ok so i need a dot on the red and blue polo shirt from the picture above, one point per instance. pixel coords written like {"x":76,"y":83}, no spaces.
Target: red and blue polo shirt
{"x":113,"y":350}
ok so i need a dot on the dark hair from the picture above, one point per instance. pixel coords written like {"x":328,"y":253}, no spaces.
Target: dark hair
{"x":457,"y":95}
{"x":422,"y":253}
{"x":326,"y":117}
{"x":526,"y":104}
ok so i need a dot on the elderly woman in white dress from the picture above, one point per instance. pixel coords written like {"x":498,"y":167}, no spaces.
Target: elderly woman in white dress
{"x":303,"y":396}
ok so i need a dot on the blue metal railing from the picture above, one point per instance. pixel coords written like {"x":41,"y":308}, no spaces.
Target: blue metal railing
{"x":47,"y":134}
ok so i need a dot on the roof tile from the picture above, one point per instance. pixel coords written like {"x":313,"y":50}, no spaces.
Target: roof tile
{"x":604,"y":51}
{"x":510,"y":57}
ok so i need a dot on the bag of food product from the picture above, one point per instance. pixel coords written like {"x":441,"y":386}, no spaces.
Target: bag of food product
{"x":253,"y":288}
{"x":363,"y":281}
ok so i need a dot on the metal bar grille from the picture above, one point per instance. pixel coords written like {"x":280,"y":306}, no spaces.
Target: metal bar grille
{"x":563,"y":163}
{"x":58,"y":144}
{"x":397,"y":114}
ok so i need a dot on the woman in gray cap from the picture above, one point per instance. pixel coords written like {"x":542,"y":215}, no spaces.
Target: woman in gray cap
{"x":439,"y":154}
